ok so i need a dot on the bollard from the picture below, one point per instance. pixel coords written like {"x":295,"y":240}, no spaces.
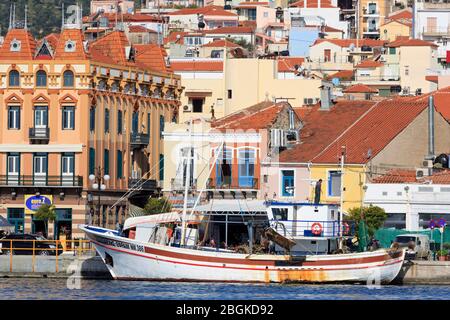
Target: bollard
{"x":10,"y":256}
{"x":34,"y":253}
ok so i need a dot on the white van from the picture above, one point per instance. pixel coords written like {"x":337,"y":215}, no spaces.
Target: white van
{"x":422,"y":243}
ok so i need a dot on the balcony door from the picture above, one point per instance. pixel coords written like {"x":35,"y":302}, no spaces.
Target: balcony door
{"x":40,"y":169}
{"x":67,"y":169}
{"x":246,"y":168}
{"x":40,"y":121}
{"x":224,"y":168}
{"x":13,"y":170}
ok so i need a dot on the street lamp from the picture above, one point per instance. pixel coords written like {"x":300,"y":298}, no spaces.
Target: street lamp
{"x":98,"y":183}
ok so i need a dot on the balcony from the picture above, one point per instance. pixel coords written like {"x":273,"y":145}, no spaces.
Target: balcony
{"x":436,"y":31}
{"x":239,"y":184}
{"x":41,"y":181}
{"x":145,"y":185}
{"x":177,"y":184}
{"x":371,"y":13}
{"x":39,"y":134}
{"x":371,"y":31}
{"x":139,"y":140}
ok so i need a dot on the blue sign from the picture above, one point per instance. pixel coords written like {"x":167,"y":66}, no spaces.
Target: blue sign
{"x":32,"y":203}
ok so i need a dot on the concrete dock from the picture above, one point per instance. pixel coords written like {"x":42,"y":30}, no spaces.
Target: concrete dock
{"x":63,"y":266}
{"x":424,"y":272}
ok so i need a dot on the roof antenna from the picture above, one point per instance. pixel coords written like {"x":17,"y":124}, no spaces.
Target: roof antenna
{"x":62,"y":16}
{"x":10,"y":16}
{"x":26,"y":14}
{"x":14,"y":16}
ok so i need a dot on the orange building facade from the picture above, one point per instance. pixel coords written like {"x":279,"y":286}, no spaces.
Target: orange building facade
{"x":71,"y":111}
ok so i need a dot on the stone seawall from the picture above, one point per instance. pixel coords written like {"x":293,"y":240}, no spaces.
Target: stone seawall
{"x":64,"y":266}
{"x":424,"y":272}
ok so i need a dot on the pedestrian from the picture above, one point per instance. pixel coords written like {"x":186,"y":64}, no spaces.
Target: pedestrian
{"x":318,"y":191}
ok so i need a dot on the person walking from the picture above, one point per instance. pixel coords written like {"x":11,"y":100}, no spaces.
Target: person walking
{"x":318,"y":191}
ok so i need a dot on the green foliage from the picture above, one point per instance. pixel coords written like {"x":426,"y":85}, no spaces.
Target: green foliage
{"x":373,"y":216}
{"x":44,"y":16}
{"x":446,"y":246}
{"x":242,"y":42}
{"x":442,"y":252}
{"x":46,"y":212}
{"x":157,"y":205}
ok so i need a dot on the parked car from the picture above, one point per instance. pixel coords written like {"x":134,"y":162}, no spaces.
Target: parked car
{"x":421,"y":242}
{"x":22,"y":244}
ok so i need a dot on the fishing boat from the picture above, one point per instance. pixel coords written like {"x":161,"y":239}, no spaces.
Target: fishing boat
{"x":168,"y":247}
{"x":150,"y":248}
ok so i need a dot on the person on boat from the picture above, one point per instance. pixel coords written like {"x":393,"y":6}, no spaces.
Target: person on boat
{"x":212,"y":243}
{"x":318,"y":191}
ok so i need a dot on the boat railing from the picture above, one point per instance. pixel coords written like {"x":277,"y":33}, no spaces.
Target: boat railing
{"x":313,"y":228}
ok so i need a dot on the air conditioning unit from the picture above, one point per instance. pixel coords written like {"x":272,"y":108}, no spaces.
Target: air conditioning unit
{"x":427,"y":164}
{"x":421,"y":173}
{"x":187,"y":108}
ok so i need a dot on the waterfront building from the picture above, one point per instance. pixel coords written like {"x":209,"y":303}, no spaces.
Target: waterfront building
{"x":71,"y":109}
{"x":376,"y":136}
{"x":219,"y":87}
{"x":410,"y":199}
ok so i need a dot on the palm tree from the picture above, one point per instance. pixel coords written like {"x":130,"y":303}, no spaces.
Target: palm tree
{"x":47,"y":213}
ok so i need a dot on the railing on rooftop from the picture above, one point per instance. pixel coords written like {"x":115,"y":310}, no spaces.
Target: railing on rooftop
{"x":234,"y":184}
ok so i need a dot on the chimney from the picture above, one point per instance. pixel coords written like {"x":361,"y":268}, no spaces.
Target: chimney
{"x":304,"y":3}
{"x":430,"y":128}
{"x":318,"y":4}
{"x":325,"y":97}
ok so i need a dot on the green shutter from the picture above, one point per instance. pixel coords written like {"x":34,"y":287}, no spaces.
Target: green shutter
{"x":161,"y":167}
{"x":119,"y":164}
{"x":106,"y":161}
{"x":91,"y":160}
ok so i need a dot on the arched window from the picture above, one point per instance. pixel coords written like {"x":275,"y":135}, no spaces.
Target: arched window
{"x":68,"y":78}
{"x":14,"y":78}
{"x":41,"y":78}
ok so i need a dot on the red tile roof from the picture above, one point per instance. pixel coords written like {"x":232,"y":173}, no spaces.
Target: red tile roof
{"x":343,"y":75}
{"x":206,"y":11}
{"x":322,"y":127}
{"x":140,"y":29}
{"x":221,"y":43}
{"x":374,"y":131}
{"x":27,"y":45}
{"x":345,"y":43}
{"x":230,"y":30}
{"x":402,"y":42}
{"x":176,"y":36}
{"x":287,"y":64}
{"x":368,"y":64}
{"x":313,"y":4}
{"x":75,"y":36}
{"x":409,"y":177}
{"x":111,"y":49}
{"x":360,"y":88}
{"x":442,"y":103}
{"x":258,"y":116}
{"x":403,"y":14}
{"x":187,"y":65}
{"x":152,"y":56}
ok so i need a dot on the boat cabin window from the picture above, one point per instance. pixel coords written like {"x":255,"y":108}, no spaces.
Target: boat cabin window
{"x":280,"y":213}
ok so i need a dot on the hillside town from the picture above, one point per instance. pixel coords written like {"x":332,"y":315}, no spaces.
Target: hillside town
{"x":223,"y":106}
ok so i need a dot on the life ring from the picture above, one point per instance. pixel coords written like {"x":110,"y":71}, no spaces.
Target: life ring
{"x":346,"y":228}
{"x":316,"y":228}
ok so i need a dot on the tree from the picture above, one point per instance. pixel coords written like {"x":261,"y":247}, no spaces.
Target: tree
{"x":373,"y":216}
{"x":47,"y":213}
{"x":157,"y":205}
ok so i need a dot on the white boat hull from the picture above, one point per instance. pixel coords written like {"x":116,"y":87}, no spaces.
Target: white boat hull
{"x":132,"y":260}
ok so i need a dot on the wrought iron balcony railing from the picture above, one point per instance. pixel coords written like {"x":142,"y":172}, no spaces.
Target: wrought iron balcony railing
{"x":46,"y":181}
{"x":39,"y":133}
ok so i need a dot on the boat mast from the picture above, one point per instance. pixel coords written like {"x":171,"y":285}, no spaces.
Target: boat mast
{"x":186,"y":186}
{"x":341,"y":206}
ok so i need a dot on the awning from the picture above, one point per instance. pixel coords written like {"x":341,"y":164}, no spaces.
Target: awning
{"x":153,"y":219}
{"x":242,"y":206}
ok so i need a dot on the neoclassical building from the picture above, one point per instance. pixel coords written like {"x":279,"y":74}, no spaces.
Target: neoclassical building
{"x":70,"y":111}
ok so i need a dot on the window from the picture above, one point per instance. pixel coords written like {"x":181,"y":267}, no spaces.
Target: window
{"x":119,"y":121}
{"x":119,"y":164}
{"x":14,"y":118}
{"x":266,"y":14}
{"x":334,"y":183}
{"x":246,"y":161}
{"x":392,"y":50}
{"x":106,"y":161}
{"x":406,"y":70}
{"x":91,"y":161}
{"x":68,"y":118}
{"x":106,"y":120}
{"x":291,"y":119}
{"x":13,"y":168}
{"x":67,"y":164}
{"x":280,"y":213}
{"x":68,"y":78}
{"x":135,"y":122}
{"x":197,"y":105}
{"x":251,"y":14}
{"x":16,"y":217}
{"x":287,"y":183}
{"x":41,"y":78}
{"x":149,"y":122}
{"x":14,"y":78}
{"x":92,"y":119}
{"x":161,"y":167}
{"x":372,"y":8}
{"x":230,"y":94}
{"x":224,"y":167}
{"x":161,"y":126}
